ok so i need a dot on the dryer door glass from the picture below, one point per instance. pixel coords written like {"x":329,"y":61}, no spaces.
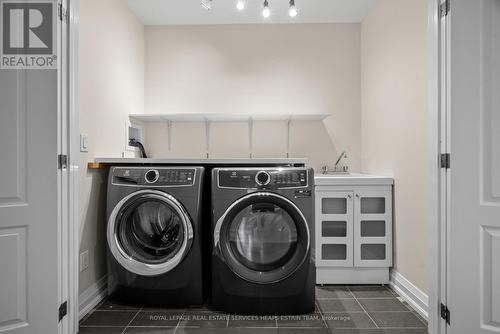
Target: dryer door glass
{"x":263,"y":237}
{"x":150,"y":231}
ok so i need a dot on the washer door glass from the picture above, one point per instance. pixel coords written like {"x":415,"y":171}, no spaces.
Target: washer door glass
{"x":150,"y":231}
{"x":263,"y":237}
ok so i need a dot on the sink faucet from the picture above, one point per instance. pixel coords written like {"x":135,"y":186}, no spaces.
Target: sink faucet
{"x":343,"y":155}
{"x":336,"y":168}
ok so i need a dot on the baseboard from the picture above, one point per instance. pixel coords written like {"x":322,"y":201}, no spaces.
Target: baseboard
{"x":92,"y":296}
{"x":351,"y":275}
{"x":413,"y":295}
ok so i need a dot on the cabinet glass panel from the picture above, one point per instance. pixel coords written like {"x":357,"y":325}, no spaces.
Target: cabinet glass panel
{"x":334,"y":206}
{"x":373,"y":252}
{"x":372,"y":228}
{"x":334,"y":252}
{"x":333,"y":229}
{"x":373,"y":205}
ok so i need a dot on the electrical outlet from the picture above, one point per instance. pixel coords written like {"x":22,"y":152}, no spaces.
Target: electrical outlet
{"x":84,"y":260}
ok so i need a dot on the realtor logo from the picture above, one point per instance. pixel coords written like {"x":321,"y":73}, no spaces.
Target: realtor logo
{"x":27,"y":34}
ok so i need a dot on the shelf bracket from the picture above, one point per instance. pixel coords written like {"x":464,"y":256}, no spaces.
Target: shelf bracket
{"x":169,"y":135}
{"x":288,"y":121}
{"x":207,"y":138}
{"x":250,"y":137}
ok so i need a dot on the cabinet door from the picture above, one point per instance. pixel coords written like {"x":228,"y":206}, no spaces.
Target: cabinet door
{"x":334,"y":230}
{"x":373,"y":228}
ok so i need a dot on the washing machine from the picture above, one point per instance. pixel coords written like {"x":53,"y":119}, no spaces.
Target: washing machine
{"x":154,"y":235}
{"x":263,"y":225}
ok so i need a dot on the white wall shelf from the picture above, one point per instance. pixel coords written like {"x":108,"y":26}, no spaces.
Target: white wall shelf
{"x":209,"y":118}
{"x":191,"y":117}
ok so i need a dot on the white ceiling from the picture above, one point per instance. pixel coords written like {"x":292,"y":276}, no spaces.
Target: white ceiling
{"x":190,"y":12}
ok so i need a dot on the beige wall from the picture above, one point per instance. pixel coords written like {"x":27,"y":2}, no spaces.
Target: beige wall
{"x":394,"y":121}
{"x":369,"y":77}
{"x":111,"y":87}
{"x":256,"y":69}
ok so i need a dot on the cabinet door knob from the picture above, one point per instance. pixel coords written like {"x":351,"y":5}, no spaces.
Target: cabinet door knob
{"x":357,"y":195}
{"x":349,"y":196}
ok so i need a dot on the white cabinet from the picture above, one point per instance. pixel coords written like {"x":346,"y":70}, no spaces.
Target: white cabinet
{"x":334,"y":228}
{"x":353,"y":231}
{"x":373,"y":228}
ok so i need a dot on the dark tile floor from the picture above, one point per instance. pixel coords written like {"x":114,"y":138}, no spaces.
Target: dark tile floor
{"x":339,"y":309}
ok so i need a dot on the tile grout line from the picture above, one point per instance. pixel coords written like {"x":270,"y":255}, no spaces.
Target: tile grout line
{"x":354,"y":312}
{"x":323,"y":318}
{"x":179,"y":321}
{"x":410,"y":309}
{"x":359,"y":298}
{"x":419,"y":317}
{"x":91,"y":312}
{"x":139,"y":311}
{"x":357,"y":301}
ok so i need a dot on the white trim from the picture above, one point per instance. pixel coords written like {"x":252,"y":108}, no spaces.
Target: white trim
{"x":67,"y":284}
{"x":94,"y":294}
{"x":63,"y":223}
{"x":74,"y":160}
{"x":417,"y":299}
{"x":434,"y":253}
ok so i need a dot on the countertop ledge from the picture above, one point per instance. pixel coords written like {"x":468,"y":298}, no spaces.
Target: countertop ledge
{"x":209,"y":161}
{"x":352,"y":179}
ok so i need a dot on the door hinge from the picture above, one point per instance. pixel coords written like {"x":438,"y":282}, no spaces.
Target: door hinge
{"x":63,"y":310}
{"x":62,"y":13}
{"x":444,"y":8}
{"x":444,"y":160}
{"x":445,"y":313}
{"x":62,"y":161}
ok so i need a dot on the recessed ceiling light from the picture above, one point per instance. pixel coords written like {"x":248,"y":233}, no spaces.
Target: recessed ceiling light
{"x":240,"y":5}
{"x":293,"y":10}
{"x":266,"y":12}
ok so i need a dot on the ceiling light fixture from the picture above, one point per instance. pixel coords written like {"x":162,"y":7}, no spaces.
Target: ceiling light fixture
{"x":207,"y":4}
{"x":266,"y":12}
{"x":240,"y":4}
{"x":293,"y":10}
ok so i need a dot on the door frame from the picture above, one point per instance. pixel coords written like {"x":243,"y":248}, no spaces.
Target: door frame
{"x":437,"y":226}
{"x":438,"y":59}
{"x":73,"y":150}
{"x":67,"y":249}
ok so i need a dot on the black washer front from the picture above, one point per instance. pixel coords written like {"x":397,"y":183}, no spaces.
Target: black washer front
{"x":264,"y":238}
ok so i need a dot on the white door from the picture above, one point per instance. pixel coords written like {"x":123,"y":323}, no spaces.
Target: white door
{"x":373,"y":228}
{"x":473,"y":291}
{"x":334,"y":231}
{"x":29,"y":179}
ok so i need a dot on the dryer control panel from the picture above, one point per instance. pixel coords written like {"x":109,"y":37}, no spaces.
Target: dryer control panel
{"x":263,"y":178}
{"x":154,"y":176}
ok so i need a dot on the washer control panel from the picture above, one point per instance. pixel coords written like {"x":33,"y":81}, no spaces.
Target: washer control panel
{"x":262,"y":178}
{"x":154,"y":176}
